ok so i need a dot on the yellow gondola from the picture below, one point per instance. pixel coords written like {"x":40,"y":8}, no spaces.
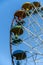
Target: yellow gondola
{"x":27,"y":6}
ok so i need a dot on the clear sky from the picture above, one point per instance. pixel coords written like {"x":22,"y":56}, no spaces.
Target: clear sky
{"x":7,"y":9}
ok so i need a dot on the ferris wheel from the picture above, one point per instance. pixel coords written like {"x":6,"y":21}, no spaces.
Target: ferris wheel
{"x":26,"y":35}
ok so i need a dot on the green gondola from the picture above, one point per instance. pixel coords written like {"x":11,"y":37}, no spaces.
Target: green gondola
{"x":17,"y":30}
{"x":16,"y":41}
{"x":20,"y":22}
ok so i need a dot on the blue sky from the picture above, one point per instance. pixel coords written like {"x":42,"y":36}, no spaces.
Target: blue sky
{"x":7,"y":9}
